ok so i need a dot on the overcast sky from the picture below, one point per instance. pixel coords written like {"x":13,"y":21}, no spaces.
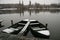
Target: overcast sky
{"x":27,"y":1}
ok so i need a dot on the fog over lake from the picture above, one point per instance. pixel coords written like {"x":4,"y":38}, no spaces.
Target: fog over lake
{"x":49,"y":16}
{"x":27,"y":1}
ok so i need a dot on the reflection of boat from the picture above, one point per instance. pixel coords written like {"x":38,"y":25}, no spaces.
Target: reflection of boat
{"x":15,"y":28}
{"x":39,"y":30}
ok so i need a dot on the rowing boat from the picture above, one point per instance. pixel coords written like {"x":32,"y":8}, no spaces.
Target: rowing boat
{"x":39,"y":30}
{"x":15,"y":28}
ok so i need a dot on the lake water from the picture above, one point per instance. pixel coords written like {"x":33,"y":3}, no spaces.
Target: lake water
{"x":52,"y":18}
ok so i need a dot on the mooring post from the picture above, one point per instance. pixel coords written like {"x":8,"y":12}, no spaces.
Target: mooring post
{"x":46,"y":25}
{"x":0,"y":22}
{"x":11,"y":22}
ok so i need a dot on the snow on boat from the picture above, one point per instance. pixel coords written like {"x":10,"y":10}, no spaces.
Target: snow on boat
{"x":15,"y":28}
{"x":39,"y":30}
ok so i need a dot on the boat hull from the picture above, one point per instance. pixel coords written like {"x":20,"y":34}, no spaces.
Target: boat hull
{"x":37,"y":34}
{"x":12,"y":29}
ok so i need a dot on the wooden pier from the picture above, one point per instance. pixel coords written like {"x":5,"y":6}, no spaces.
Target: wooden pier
{"x":21,"y":33}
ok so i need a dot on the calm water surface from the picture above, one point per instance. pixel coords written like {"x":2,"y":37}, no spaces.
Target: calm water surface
{"x":53,"y":20}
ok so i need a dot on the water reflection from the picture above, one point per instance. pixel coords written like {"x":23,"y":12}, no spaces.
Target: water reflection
{"x":44,"y":17}
{"x":22,"y":11}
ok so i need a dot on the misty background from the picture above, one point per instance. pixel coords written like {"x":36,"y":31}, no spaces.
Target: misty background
{"x":32,"y":1}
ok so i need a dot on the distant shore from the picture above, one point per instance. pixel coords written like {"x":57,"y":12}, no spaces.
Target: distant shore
{"x":32,"y":9}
